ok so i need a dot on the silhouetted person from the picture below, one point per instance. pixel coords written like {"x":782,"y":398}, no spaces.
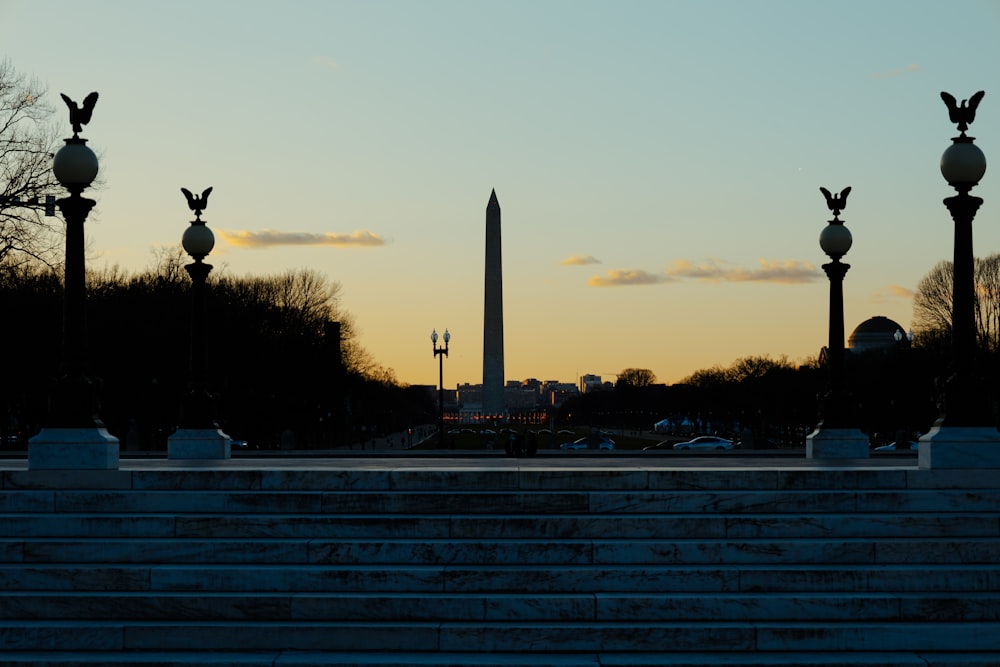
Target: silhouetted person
{"x":531,"y":443}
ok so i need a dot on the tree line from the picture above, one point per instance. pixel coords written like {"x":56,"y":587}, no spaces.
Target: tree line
{"x":284,"y":359}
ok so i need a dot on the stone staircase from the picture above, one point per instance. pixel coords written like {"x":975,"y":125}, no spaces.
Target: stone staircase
{"x":500,"y":562}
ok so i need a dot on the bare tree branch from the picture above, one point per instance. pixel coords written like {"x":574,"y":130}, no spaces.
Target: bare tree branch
{"x":27,"y":141}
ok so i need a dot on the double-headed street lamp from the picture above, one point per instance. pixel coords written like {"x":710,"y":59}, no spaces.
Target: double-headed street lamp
{"x":74,"y":437}
{"x":834,"y":437}
{"x":440,"y":353}
{"x":965,"y":435}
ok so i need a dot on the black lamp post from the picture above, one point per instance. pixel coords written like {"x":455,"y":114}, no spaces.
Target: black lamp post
{"x":833,"y":437}
{"x":199,"y":436}
{"x":75,"y":167}
{"x":440,"y":353}
{"x":198,"y":242}
{"x":73,"y":436}
{"x":966,"y":422}
{"x":963,"y":165}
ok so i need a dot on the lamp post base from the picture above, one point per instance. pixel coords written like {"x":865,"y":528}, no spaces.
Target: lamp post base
{"x":199,"y":443}
{"x":837,"y":443}
{"x":91,"y":448}
{"x":960,"y":447}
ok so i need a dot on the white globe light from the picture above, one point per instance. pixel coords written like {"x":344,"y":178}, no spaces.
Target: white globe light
{"x":75,"y":165}
{"x":963,"y":163}
{"x":835,"y":240}
{"x":198,"y":241}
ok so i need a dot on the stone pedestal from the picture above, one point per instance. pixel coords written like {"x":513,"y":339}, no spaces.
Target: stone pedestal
{"x":199,"y":443}
{"x":960,"y":447}
{"x":837,"y":443}
{"x":73,"y":449}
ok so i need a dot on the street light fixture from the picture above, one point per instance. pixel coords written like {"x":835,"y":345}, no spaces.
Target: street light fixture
{"x":440,"y":353}
{"x":965,"y":435}
{"x":199,"y":436}
{"x":74,"y":437}
{"x":833,"y":437}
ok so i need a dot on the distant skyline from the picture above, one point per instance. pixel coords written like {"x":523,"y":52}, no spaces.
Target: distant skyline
{"x":658,"y":162}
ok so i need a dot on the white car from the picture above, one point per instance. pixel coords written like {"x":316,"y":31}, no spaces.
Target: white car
{"x":706,"y":442}
{"x":582,"y":444}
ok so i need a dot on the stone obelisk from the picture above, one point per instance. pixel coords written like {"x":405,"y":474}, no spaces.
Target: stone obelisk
{"x":493,"y":382}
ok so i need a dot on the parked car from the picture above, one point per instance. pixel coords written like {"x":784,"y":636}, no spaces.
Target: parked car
{"x":581,"y":443}
{"x":705,"y":442}
{"x":238,"y":444}
{"x":663,"y":444}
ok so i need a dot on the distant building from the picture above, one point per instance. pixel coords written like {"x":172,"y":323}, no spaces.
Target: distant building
{"x":590,"y":383}
{"x":877,"y":333}
{"x":555,"y":393}
{"x":874,"y":334}
{"x":521,"y":396}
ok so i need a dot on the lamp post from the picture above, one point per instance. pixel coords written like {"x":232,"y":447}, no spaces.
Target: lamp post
{"x":199,"y":436}
{"x":833,"y":437}
{"x":74,"y":437}
{"x":965,"y":434}
{"x":440,"y":353}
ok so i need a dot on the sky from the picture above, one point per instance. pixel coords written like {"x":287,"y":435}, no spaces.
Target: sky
{"x":657,"y":163}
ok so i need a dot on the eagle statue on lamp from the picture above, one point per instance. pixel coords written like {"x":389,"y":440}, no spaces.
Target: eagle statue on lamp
{"x":197,"y":203}
{"x":80,"y":116}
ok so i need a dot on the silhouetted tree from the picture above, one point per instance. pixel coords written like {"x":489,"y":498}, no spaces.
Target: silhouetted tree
{"x":932,"y":305}
{"x":27,"y":142}
{"x":275,"y":347}
{"x":635,"y":378}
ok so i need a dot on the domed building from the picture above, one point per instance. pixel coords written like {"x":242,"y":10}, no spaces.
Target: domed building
{"x":877,"y":333}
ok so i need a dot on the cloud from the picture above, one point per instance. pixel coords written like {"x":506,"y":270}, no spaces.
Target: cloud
{"x":580,"y":260}
{"x":896,"y":72}
{"x":271,"y":237}
{"x":325,"y":62}
{"x":619,"y":278}
{"x":890,"y":292}
{"x":788,"y":271}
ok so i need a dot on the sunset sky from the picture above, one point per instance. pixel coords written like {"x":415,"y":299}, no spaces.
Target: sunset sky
{"x":657,"y":163}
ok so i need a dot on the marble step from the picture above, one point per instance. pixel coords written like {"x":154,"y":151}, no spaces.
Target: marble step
{"x":431,"y":579}
{"x":930,"y":525}
{"x":501,"y":475}
{"x":37,"y":635}
{"x":526,"y":606}
{"x":509,"y":502}
{"x":500,"y":551}
{"x":438,"y":659}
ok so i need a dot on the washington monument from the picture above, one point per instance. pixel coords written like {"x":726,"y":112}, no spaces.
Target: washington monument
{"x":493,"y":382}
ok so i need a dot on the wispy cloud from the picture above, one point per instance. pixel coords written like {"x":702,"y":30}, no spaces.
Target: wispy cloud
{"x":325,"y":62}
{"x":913,"y":67}
{"x":788,"y":271}
{"x":580,"y":260}
{"x":894,"y":292}
{"x":622,"y":277}
{"x":270,"y":237}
